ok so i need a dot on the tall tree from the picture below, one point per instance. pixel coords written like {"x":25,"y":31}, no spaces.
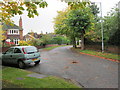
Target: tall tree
{"x":95,"y":33}
{"x":9,"y":9}
{"x":79,"y":21}
{"x":74,"y":23}
{"x":60,"y":25}
{"x":111,"y":27}
{"x":78,"y":7}
{"x":94,"y":9}
{"x":2,"y":36}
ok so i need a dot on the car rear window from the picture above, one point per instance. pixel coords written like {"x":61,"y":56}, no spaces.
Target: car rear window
{"x":30,"y":50}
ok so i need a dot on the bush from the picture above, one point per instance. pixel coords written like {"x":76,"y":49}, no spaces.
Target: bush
{"x":8,"y":44}
{"x":33,"y":42}
{"x":60,"y":40}
{"x":24,"y":43}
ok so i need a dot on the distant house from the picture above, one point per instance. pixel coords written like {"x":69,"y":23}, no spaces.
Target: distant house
{"x":32,"y":35}
{"x":13,"y":33}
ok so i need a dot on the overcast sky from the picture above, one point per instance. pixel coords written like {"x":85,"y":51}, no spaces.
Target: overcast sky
{"x":44,"y":22}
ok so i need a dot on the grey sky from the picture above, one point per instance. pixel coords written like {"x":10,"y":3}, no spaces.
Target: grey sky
{"x":44,"y":22}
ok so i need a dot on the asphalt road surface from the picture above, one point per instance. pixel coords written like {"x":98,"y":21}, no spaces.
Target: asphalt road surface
{"x":89,"y":71}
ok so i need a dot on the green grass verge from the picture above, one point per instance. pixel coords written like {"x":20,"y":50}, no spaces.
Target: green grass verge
{"x":106,"y":55}
{"x":52,"y":47}
{"x":10,"y":75}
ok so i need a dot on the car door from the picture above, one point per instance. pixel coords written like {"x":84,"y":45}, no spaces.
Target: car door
{"x":16,"y":55}
{"x":7,"y":56}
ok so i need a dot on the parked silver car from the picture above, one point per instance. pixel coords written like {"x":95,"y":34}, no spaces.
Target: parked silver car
{"x":21,"y":55}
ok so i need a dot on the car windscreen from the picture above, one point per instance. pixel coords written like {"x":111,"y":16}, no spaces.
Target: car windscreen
{"x":30,"y":50}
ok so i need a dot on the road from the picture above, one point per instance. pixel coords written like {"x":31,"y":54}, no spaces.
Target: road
{"x":89,"y":71}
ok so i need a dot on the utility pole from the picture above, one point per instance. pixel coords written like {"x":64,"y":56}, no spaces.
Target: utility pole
{"x":101,"y":25}
{"x":102,"y":28}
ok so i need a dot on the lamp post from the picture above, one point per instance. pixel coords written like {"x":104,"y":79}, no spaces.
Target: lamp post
{"x":101,"y":26}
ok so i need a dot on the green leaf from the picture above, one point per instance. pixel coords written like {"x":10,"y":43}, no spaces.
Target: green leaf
{"x":21,"y":8}
{"x":20,"y":12}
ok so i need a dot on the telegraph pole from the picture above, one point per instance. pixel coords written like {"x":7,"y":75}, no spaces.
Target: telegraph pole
{"x":102,"y":28}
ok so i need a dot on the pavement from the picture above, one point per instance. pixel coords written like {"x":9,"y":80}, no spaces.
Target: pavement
{"x":87,"y":71}
{"x":36,"y":75}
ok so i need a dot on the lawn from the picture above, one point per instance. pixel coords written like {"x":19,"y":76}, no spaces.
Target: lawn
{"x":96,"y":53}
{"x":17,"y":78}
{"x":52,"y":47}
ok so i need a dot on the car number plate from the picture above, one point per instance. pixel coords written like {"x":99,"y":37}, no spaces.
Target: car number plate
{"x":34,"y":59}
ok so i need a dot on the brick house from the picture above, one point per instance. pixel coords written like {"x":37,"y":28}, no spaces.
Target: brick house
{"x":13,"y":33}
{"x":31,"y":35}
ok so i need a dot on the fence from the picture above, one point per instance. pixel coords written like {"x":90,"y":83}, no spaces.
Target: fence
{"x":108,"y":48}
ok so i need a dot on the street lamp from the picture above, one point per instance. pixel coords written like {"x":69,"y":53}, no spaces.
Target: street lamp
{"x":102,"y":28}
{"x":101,"y":25}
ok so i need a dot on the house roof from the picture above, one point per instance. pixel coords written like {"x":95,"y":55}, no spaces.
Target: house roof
{"x":28,"y":35}
{"x":8,"y":26}
{"x":35,"y":35}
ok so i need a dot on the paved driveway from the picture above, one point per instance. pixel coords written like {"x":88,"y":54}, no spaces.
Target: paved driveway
{"x":91,"y":72}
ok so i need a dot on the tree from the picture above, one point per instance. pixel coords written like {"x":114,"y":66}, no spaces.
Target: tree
{"x":111,"y":27}
{"x":94,"y":9}
{"x":59,"y":23}
{"x":79,"y":21}
{"x":75,"y":4}
{"x":74,"y":21}
{"x":11,"y":8}
{"x":94,"y":35}
{"x":2,"y":36}
{"x":45,"y":40}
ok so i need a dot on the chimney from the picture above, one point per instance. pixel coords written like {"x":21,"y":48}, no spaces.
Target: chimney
{"x":20,"y":22}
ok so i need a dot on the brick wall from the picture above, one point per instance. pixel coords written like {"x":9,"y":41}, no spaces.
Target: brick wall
{"x":5,"y":49}
{"x":21,"y":34}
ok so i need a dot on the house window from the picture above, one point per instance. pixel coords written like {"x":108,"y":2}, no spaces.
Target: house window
{"x":16,"y":41}
{"x":10,"y":31}
{"x":13,"y":31}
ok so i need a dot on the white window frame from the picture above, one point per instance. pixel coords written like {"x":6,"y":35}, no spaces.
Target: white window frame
{"x":13,"y":30}
{"x":16,"y":41}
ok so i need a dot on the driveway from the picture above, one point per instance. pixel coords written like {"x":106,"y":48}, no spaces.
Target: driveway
{"x":89,"y":71}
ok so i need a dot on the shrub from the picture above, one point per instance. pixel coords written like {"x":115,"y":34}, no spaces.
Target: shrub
{"x":8,"y":44}
{"x":24,"y":43}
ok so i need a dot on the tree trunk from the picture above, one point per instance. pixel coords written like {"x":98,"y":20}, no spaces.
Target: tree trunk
{"x":82,"y":42}
{"x":74,"y":42}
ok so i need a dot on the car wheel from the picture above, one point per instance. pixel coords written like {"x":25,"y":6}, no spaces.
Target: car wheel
{"x":36,"y":63}
{"x":21,"y":64}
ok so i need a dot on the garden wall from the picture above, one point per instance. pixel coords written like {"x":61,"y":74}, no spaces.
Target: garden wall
{"x":38,"y":47}
{"x":5,"y":49}
{"x":50,"y":45}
